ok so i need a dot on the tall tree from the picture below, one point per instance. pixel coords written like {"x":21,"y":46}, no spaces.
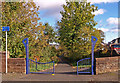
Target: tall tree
{"x":23,"y":20}
{"x":49,"y":31}
{"x":76,"y":27}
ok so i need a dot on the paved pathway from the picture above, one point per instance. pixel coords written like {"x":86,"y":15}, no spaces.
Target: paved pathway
{"x":64,"y":68}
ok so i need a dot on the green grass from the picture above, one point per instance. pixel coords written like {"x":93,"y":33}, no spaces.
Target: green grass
{"x":83,"y":66}
{"x":40,"y":67}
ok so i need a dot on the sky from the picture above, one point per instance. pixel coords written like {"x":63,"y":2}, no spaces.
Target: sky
{"x":106,"y":16}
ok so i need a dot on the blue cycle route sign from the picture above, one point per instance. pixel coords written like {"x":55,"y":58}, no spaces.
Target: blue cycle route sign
{"x":7,"y":28}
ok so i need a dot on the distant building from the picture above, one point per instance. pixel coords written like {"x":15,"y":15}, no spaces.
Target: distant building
{"x":54,"y":44}
{"x":114,"y":46}
{"x":114,"y":41}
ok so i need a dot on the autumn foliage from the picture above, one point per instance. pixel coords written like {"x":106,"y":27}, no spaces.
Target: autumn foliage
{"x":23,"y":20}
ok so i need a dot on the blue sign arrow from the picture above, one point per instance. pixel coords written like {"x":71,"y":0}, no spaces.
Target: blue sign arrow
{"x":7,"y":28}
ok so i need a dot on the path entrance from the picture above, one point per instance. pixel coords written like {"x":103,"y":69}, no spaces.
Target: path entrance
{"x":64,"y":68}
{"x":32,"y":66}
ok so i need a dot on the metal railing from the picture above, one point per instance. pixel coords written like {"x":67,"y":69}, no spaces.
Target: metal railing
{"x":38,"y":67}
{"x":84,"y":66}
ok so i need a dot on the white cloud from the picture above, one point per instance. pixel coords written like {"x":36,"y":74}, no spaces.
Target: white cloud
{"x":54,"y":3}
{"x":51,"y":8}
{"x":102,"y":1}
{"x":112,"y":20}
{"x":100,"y":11}
{"x":113,"y":29}
{"x":49,"y":3}
{"x":103,"y":29}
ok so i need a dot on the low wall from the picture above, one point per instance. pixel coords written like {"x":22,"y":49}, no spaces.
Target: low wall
{"x":16,"y":65}
{"x":107,"y":64}
{"x":3,"y":60}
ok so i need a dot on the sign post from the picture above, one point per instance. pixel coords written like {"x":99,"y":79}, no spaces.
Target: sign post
{"x":93,"y":40}
{"x":7,"y":28}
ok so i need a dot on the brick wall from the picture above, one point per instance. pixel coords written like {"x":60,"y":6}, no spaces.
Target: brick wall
{"x":16,"y":65}
{"x":3,"y":58}
{"x":107,"y":64}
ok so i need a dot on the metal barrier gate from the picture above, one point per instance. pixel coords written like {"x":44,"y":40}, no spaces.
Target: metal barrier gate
{"x":87,"y":65}
{"x":37,"y":67}
{"x":84,"y":66}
